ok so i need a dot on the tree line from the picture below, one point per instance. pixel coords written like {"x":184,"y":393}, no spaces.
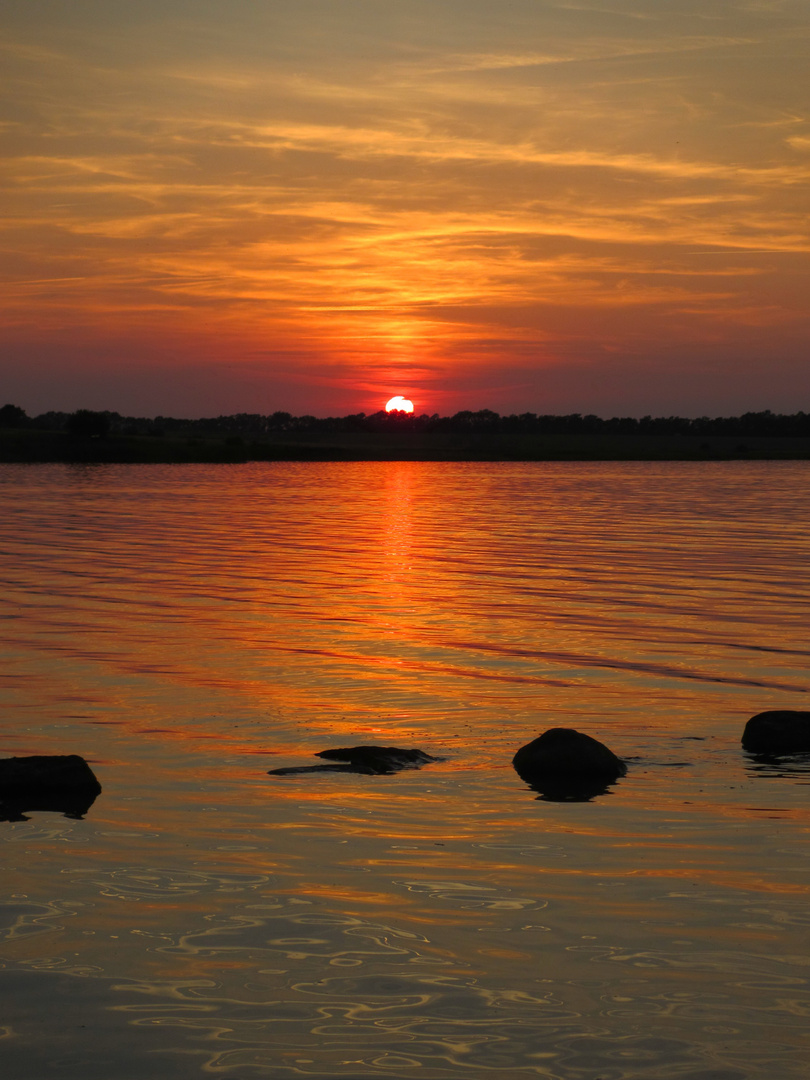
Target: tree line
{"x":88,"y":423}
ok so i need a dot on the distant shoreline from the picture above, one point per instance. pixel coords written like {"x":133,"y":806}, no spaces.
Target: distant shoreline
{"x":27,"y":446}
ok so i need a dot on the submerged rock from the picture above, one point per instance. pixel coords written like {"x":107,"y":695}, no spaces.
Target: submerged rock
{"x":64,"y":783}
{"x":564,"y":764}
{"x":294,"y":770}
{"x":367,"y":760}
{"x":779,"y":731}
{"x":378,"y":758}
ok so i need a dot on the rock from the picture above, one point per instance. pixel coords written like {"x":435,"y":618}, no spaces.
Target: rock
{"x":564,"y":764}
{"x":62,"y":775}
{"x":564,"y":752}
{"x":64,"y":783}
{"x":294,"y":770}
{"x":367,"y":760}
{"x":779,"y":731}
{"x":378,"y":758}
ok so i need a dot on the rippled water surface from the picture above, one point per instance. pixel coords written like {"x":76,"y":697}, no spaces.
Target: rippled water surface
{"x":186,"y":629}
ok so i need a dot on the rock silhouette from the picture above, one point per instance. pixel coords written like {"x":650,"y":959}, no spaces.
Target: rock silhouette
{"x":778,"y":731}
{"x":367,"y":760}
{"x":563,"y":764}
{"x":64,"y":783}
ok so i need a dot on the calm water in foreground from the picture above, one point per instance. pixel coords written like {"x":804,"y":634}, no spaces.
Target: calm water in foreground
{"x":188,"y":628}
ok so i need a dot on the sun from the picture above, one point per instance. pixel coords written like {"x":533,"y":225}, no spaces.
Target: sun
{"x":399,"y":404}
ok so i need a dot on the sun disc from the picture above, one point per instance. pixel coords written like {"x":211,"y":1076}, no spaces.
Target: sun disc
{"x":399,"y":404}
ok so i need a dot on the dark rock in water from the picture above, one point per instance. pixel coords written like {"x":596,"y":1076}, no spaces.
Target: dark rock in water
{"x":563,"y":764}
{"x":378,"y":758}
{"x":58,"y":776}
{"x":294,"y":770}
{"x":563,"y":752}
{"x":367,"y":760}
{"x":780,"y":731}
{"x":63,"y":783}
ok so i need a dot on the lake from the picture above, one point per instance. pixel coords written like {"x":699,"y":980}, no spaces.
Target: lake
{"x":188,"y":628}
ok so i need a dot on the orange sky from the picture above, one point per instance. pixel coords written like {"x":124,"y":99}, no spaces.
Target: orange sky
{"x":312,"y":205}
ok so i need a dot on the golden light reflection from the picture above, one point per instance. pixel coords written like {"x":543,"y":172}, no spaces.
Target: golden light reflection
{"x":398,"y":527}
{"x":179,"y":630}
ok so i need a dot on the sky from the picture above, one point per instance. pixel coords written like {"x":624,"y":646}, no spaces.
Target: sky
{"x":220,"y":206}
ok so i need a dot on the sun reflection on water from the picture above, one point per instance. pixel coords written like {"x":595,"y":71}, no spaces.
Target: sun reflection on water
{"x":188,"y":634}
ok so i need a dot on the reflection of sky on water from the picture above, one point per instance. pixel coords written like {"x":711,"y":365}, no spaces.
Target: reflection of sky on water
{"x":187,"y":635}
{"x":796,"y":766}
{"x":275,"y":983}
{"x":389,"y":588}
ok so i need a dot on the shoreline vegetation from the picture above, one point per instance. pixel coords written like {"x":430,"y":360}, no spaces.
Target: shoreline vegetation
{"x":85,"y":436}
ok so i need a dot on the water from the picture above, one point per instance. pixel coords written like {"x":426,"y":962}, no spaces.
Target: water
{"x":188,"y":628}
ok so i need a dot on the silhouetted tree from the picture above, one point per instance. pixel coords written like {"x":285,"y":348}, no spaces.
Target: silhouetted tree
{"x":86,"y":424}
{"x":481,"y":424}
{"x":13,"y":416}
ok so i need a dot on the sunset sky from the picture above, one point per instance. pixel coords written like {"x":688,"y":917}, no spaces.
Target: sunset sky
{"x":217,"y":206}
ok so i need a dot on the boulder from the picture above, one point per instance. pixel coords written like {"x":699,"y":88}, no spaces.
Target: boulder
{"x":779,"y":731}
{"x":367,"y":760}
{"x":565,"y":764}
{"x":64,"y":783}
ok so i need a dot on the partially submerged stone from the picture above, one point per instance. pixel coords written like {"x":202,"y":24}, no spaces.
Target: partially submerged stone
{"x":564,"y":764}
{"x":378,"y":758}
{"x":367,"y":760}
{"x":294,"y":770}
{"x":64,"y":783}
{"x":778,"y":731}
{"x":566,"y":752}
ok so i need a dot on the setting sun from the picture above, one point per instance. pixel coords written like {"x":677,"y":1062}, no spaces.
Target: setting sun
{"x":399,"y":404}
